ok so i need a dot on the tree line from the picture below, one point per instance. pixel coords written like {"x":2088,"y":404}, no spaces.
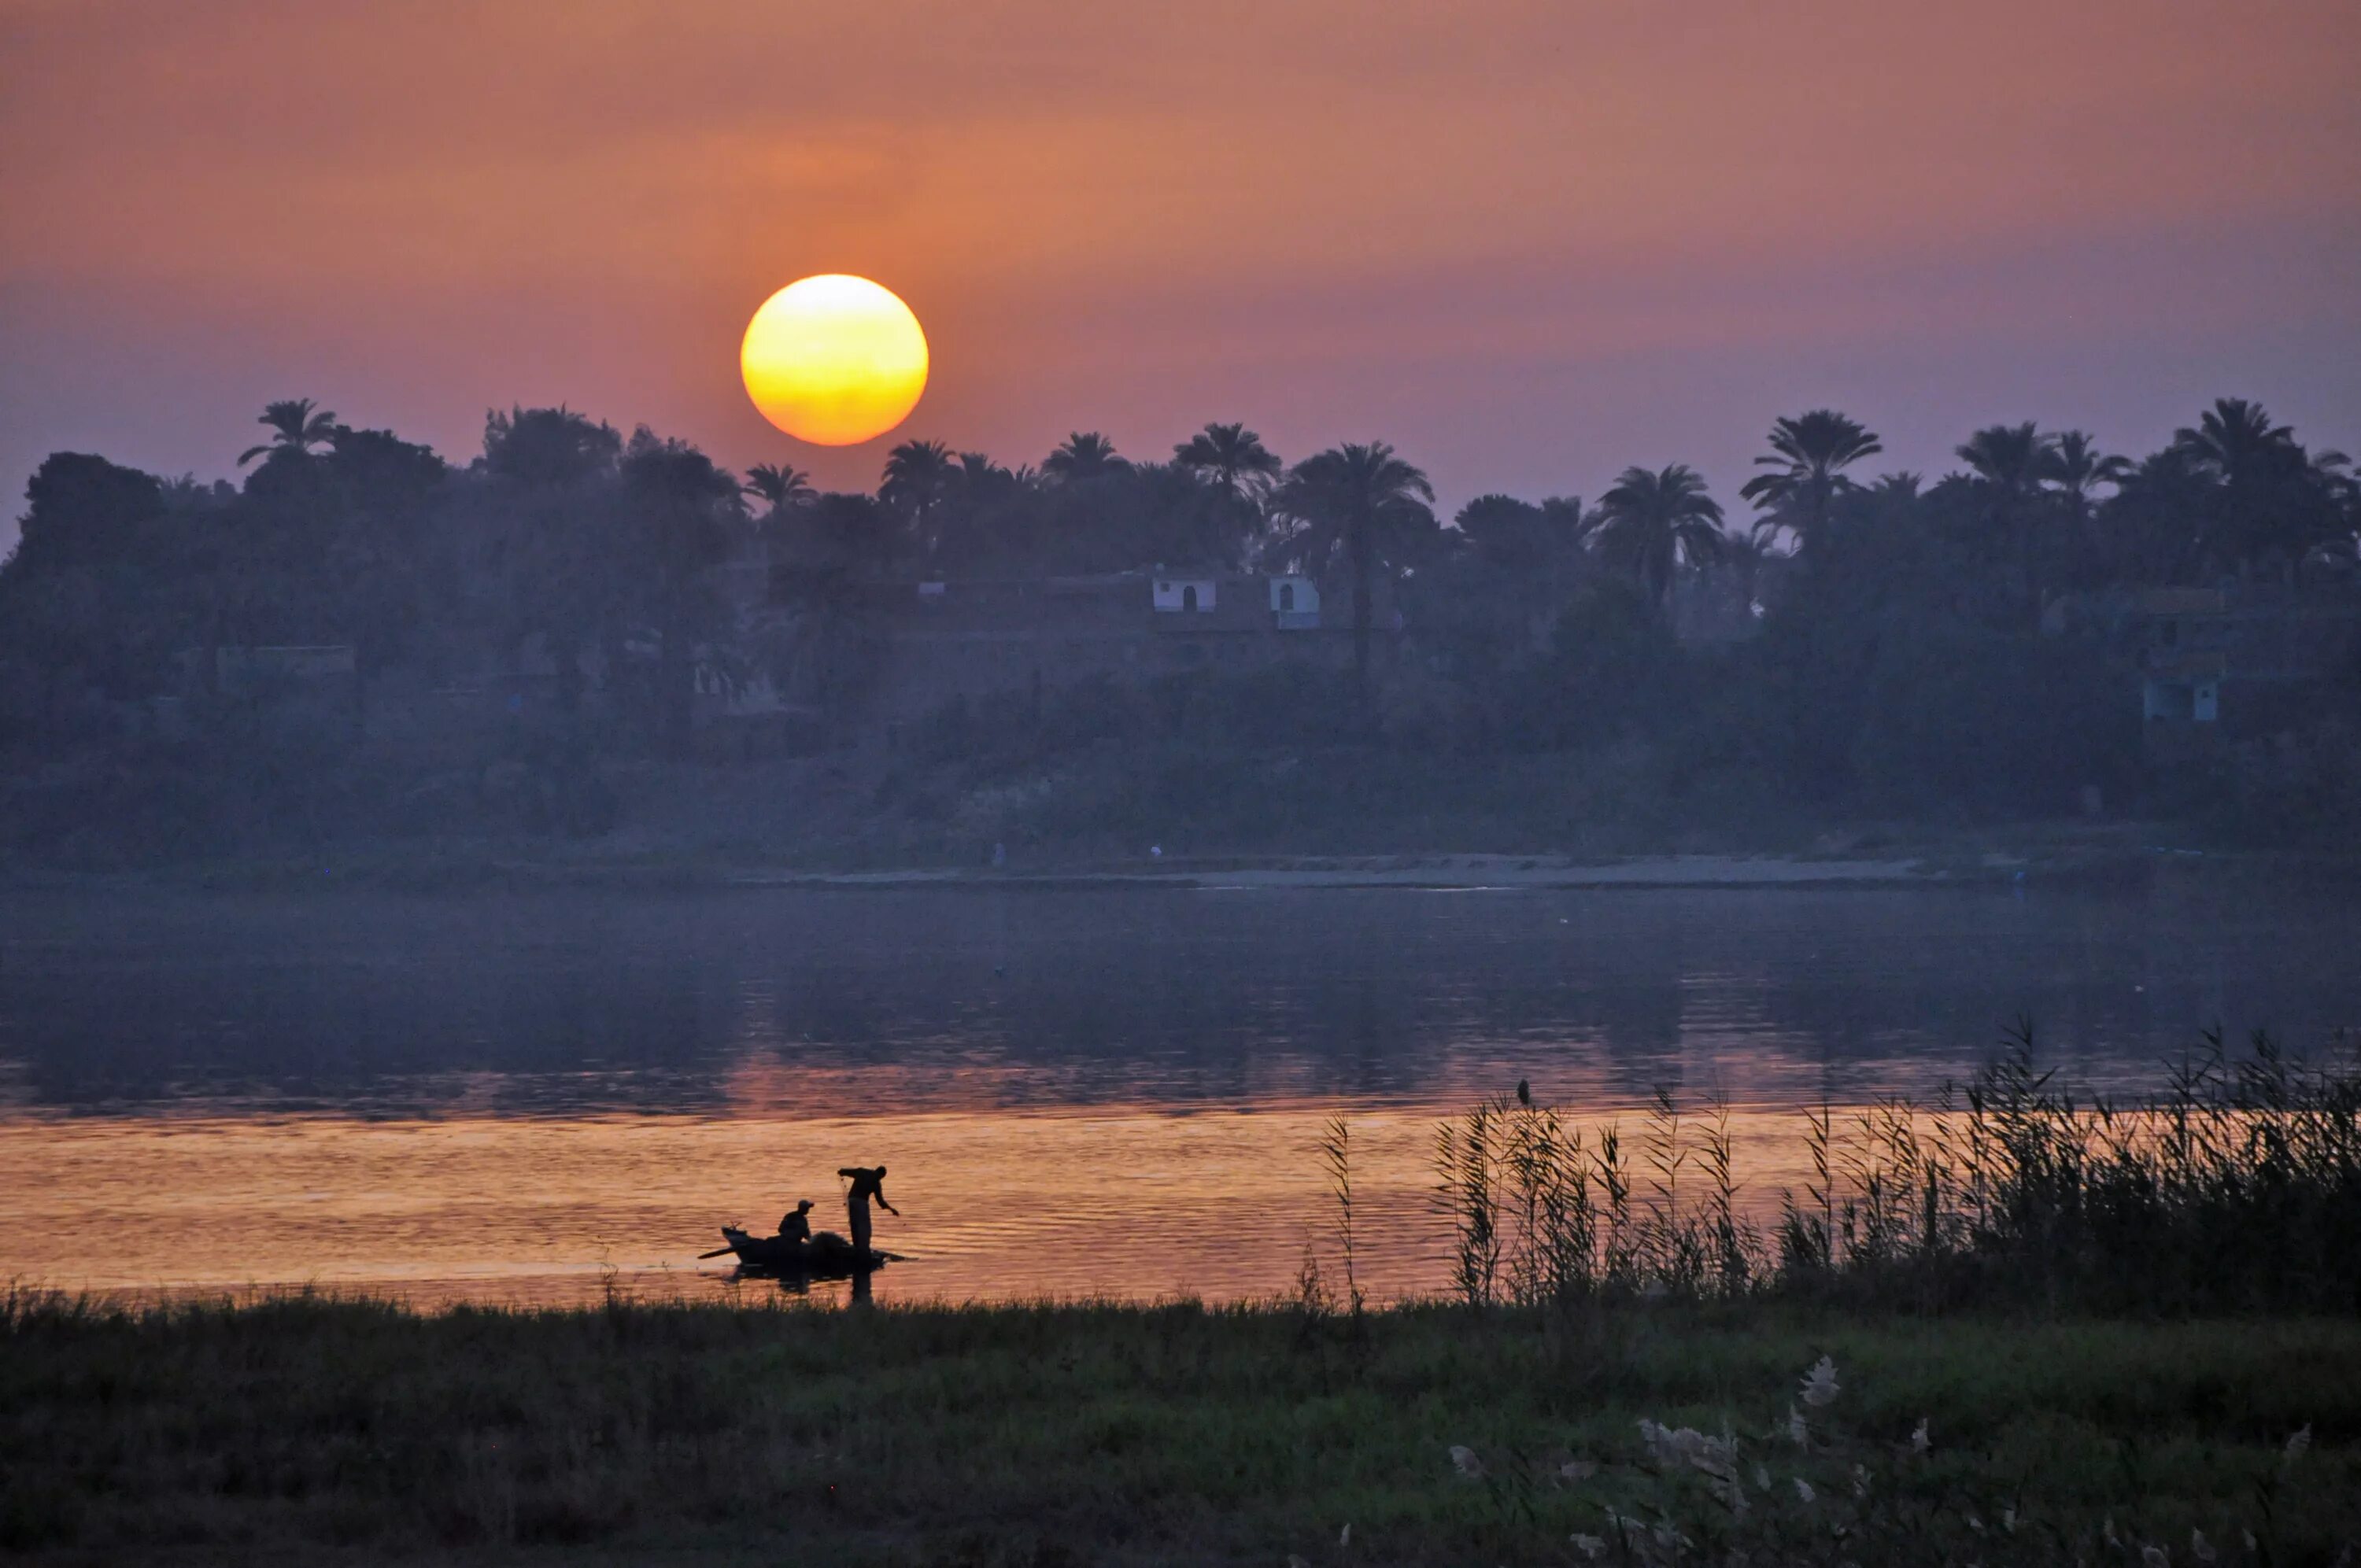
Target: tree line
{"x":564,"y":533}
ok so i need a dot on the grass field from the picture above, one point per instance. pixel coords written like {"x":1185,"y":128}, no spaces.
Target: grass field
{"x":304,"y":1429}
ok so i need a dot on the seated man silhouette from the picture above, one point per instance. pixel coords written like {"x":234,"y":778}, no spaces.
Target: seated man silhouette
{"x":797,"y":1227}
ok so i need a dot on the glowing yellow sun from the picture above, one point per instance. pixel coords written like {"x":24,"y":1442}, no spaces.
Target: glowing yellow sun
{"x":834,"y":359}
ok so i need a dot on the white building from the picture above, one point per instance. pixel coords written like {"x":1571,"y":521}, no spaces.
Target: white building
{"x":1184,"y":595}
{"x":1294,"y":604}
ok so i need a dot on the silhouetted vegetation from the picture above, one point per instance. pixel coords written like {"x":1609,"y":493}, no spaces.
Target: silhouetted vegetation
{"x":364,"y":640}
{"x":303,"y":1428}
{"x":2237,"y":1190}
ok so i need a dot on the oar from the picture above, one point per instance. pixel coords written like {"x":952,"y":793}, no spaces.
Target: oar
{"x":717,"y":1252}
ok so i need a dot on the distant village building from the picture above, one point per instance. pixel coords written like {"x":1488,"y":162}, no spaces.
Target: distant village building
{"x":923,"y":643}
{"x":2220,"y":664}
{"x":1294,"y":604}
{"x":1185,"y":596}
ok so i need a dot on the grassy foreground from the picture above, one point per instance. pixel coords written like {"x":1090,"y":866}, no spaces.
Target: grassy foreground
{"x":318,"y":1431}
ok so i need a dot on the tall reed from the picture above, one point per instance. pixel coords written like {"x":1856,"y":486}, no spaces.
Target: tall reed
{"x":1337,"y":1155}
{"x":2236,"y":1188}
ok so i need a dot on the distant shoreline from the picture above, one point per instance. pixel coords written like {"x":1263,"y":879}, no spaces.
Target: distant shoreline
{"x":473,"y":867}
{"x":1410,"y":872}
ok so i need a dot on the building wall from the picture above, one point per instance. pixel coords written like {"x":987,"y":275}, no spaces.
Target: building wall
{"x":2218,"y":665}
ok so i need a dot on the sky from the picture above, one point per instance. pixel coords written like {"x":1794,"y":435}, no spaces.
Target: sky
{"x":1529,"y":242}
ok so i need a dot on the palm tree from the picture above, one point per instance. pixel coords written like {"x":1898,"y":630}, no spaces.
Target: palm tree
{"x":2008,"y":459}
{"x":1230,"y":457}
{"x":2072,"y":471}
{"x":2333,"y":470}
{"x":2008,"y":462}
{"x":980,"y":474}
{"x":1651,"y":523}
{"x":1805,"y":456}
{"x":2270,"y":496}
{"x":1231,"y":469}
{"x":1085,"y":455}
{"x":780,"y":487}
{"x":1367,"y":502}
{"x":2076,"y":467}
{"x":297,"y":425}
{"x":2235,"y":442}
{"x":918,"y":479}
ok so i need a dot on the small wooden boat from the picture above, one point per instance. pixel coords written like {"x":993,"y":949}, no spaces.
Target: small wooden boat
{"x":826,"y":1254}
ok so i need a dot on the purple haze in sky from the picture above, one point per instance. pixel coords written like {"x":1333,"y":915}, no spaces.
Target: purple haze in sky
{"x":1527,"y":243}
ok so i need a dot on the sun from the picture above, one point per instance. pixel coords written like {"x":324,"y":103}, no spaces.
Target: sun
{"x":834,"y":359}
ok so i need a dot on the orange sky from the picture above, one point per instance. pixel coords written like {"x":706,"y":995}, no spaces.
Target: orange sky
{"x":1527,"y":242}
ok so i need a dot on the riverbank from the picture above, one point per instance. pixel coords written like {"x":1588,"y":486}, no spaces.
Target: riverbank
{"x":1453,"y":872}
{"x":2058,"y":856}
{"x":317,"y":1430}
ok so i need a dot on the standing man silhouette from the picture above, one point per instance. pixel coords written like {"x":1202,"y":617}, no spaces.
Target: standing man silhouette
{"x":868,"y":1181}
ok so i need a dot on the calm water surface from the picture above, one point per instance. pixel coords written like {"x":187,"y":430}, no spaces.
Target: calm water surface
{"x":517,"y":1097}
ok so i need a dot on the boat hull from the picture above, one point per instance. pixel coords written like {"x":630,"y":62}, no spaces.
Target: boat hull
{"x":825,"y":1254}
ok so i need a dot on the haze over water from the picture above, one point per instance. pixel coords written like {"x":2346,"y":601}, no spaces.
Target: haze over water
{"x":506,"y":1097}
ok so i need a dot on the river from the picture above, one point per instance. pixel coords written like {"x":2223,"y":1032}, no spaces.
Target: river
{"x":534,"y":1098}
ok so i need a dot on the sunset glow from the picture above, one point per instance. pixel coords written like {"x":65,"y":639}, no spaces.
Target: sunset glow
{"x":1551,"y":695}
{"x":1564,"y":268}
{"x":834,"y":360}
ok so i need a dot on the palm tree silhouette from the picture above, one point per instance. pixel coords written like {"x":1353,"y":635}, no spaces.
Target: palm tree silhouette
{"x":297,"y":425}
{"x":1085,"y":455}
{"x":2008,"y":462}
{"x":2272,"y":496}
{"x":1366,"y":501}
{"x":2235,"y":442}
{"x":1230,"y":457}
{"x":1805,"y":456}
{"x":780,"y":487}
{"x":1648,"y":523}
{"x":2075,"y":467}
{"x":918,"y":475}
{"x":980,"y":474}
